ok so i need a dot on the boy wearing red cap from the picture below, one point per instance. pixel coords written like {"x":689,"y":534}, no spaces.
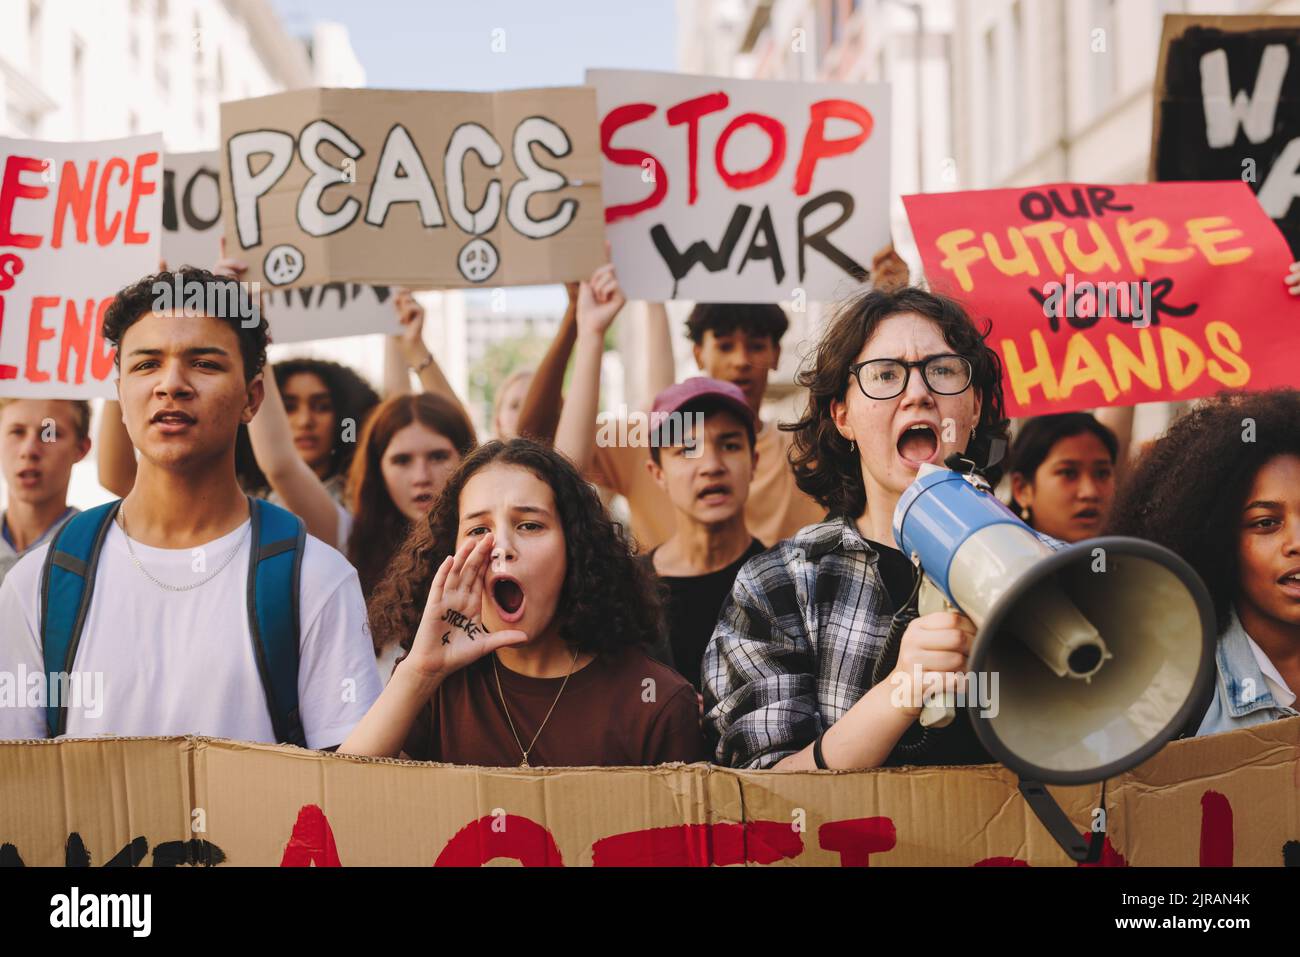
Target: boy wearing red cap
{"x":702,"y":456}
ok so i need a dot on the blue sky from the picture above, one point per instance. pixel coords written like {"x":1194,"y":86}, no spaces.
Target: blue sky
{"x":448,"y":45}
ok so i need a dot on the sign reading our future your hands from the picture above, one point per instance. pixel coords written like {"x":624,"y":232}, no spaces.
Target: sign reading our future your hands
{"x":418,"y":189}
{"x":1116,"y":295}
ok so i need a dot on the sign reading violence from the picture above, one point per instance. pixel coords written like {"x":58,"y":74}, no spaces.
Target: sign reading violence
{"x":1115,"y":295}
{"x":78,"y":221}
{"x":742,"y":190}
{"x":191,"y":218}
{"x":415,"y":189}
{"x":1226,"y":107}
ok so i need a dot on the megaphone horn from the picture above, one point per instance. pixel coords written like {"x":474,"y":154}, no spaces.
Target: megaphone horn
{"x":1099,"y":652}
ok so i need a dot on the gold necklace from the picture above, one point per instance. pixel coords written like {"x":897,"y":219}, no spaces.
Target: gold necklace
{"x":501,"y":695}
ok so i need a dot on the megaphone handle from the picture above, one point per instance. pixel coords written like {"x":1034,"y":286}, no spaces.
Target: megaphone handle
{"x":939,"y":715}
{"x":943,"y":711}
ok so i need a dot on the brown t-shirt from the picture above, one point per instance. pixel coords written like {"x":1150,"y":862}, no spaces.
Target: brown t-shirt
{"x":776,"y":509}
{"x":627,"y":710}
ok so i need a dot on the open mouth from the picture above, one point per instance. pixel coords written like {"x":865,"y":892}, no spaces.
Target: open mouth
{"x":1087,"y":515}
{"x":423,"y":500}
{"x":918,"y":443}
{"x":1291,"y":581}
{"x":508,"y":596}
{"x":714,"y":493}
{"x":172,"y":417}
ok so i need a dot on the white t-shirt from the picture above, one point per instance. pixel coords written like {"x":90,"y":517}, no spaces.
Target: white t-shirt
{"x":158,"y":662}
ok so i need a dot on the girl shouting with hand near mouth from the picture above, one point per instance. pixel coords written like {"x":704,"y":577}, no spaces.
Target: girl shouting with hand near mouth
{"x":528,"y":651}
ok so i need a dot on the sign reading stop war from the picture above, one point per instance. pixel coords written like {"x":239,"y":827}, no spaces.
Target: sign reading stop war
{"x":417,"y":189}
{"x":1115,"y":295}
{"x":191,"y":217}
{"x":742,"y":190}
{"x":1227,"y":106}
{"x":78,"y":221}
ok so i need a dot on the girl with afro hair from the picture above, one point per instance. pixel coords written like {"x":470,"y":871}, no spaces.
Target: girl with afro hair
{"x":1222,"y":489}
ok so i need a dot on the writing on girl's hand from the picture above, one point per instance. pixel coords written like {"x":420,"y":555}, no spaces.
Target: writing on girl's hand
{"x":457,"y":620}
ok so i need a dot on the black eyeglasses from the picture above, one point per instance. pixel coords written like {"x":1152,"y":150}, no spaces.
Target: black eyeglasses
{"x":887,"y":378}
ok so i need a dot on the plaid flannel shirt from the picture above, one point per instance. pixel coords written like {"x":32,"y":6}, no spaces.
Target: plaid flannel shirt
{"x":795,"y":644}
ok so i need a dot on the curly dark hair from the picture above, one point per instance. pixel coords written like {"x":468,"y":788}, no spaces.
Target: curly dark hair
{"x":351,"y":395}
{"x":1186,"y":491}
{"x":724,"y":318}
{"x":232,"y":300}
{"x":609,"y":602}
{"x":825,"y":467}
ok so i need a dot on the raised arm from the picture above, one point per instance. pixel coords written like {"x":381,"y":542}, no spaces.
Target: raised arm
{"x":660,"y":367}
{"x":539,"y":416}
{"x":298,"y":486}
{"x":599,"y":301}
{"x":116,"y":453}
{"x":410,"y":344}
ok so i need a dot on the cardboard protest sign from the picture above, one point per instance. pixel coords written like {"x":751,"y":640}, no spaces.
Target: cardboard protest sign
{"x":426,"y":190}
{"x":1115,"y":295}
{"x":1227,"y":106}
{"x":742,"y":190}
{"x":191,"y":236}
{"x":1217,"y":801}
{"x":78,"y":221}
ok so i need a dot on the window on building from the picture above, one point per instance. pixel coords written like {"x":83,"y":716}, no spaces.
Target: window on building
{"x":1015,"y":56}
{"x":34,"y":37}
{"x":78,"y":86}
{"x":1103,"y":57}
{"x":993,"y":105}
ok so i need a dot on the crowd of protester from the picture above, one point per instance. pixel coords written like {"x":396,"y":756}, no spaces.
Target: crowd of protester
{"x":471,"y":603}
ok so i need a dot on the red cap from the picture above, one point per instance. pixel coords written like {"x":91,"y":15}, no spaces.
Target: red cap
{"x":675,"y":397}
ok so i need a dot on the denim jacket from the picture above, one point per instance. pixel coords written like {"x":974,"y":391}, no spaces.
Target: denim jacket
{"x":1241,"y":695}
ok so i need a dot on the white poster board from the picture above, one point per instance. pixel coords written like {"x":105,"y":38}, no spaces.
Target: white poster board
{"x":730,"y":190}
{"x":78,"y":221}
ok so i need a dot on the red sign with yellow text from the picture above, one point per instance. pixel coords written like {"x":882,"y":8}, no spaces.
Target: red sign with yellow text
{"x":1115,"y":295}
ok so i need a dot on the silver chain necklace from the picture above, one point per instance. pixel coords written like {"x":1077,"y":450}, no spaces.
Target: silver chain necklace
{"x":121,"y":514}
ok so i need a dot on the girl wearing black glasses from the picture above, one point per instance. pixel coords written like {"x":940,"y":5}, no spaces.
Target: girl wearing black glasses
{"x":793,"y":675}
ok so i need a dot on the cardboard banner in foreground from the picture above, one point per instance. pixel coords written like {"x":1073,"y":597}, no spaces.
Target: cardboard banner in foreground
{"x":1115,"y":295}
{"x":1227,"y":106}
{"x":1216,"y":801}
{"x":727,"y":190}
{"x":78,"y":221}
{"x":191,"y":236}
{"x":380,"y":187}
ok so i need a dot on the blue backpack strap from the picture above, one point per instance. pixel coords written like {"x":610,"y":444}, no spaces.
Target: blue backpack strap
{"x":67,"y":583}
{"x":274,"y":575}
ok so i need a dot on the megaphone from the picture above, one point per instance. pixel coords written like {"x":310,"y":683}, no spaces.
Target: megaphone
{"x":1103,"y":650}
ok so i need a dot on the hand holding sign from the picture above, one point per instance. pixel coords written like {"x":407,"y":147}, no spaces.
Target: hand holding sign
{"x":451,"y":635}
{"x":411,"y":315}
